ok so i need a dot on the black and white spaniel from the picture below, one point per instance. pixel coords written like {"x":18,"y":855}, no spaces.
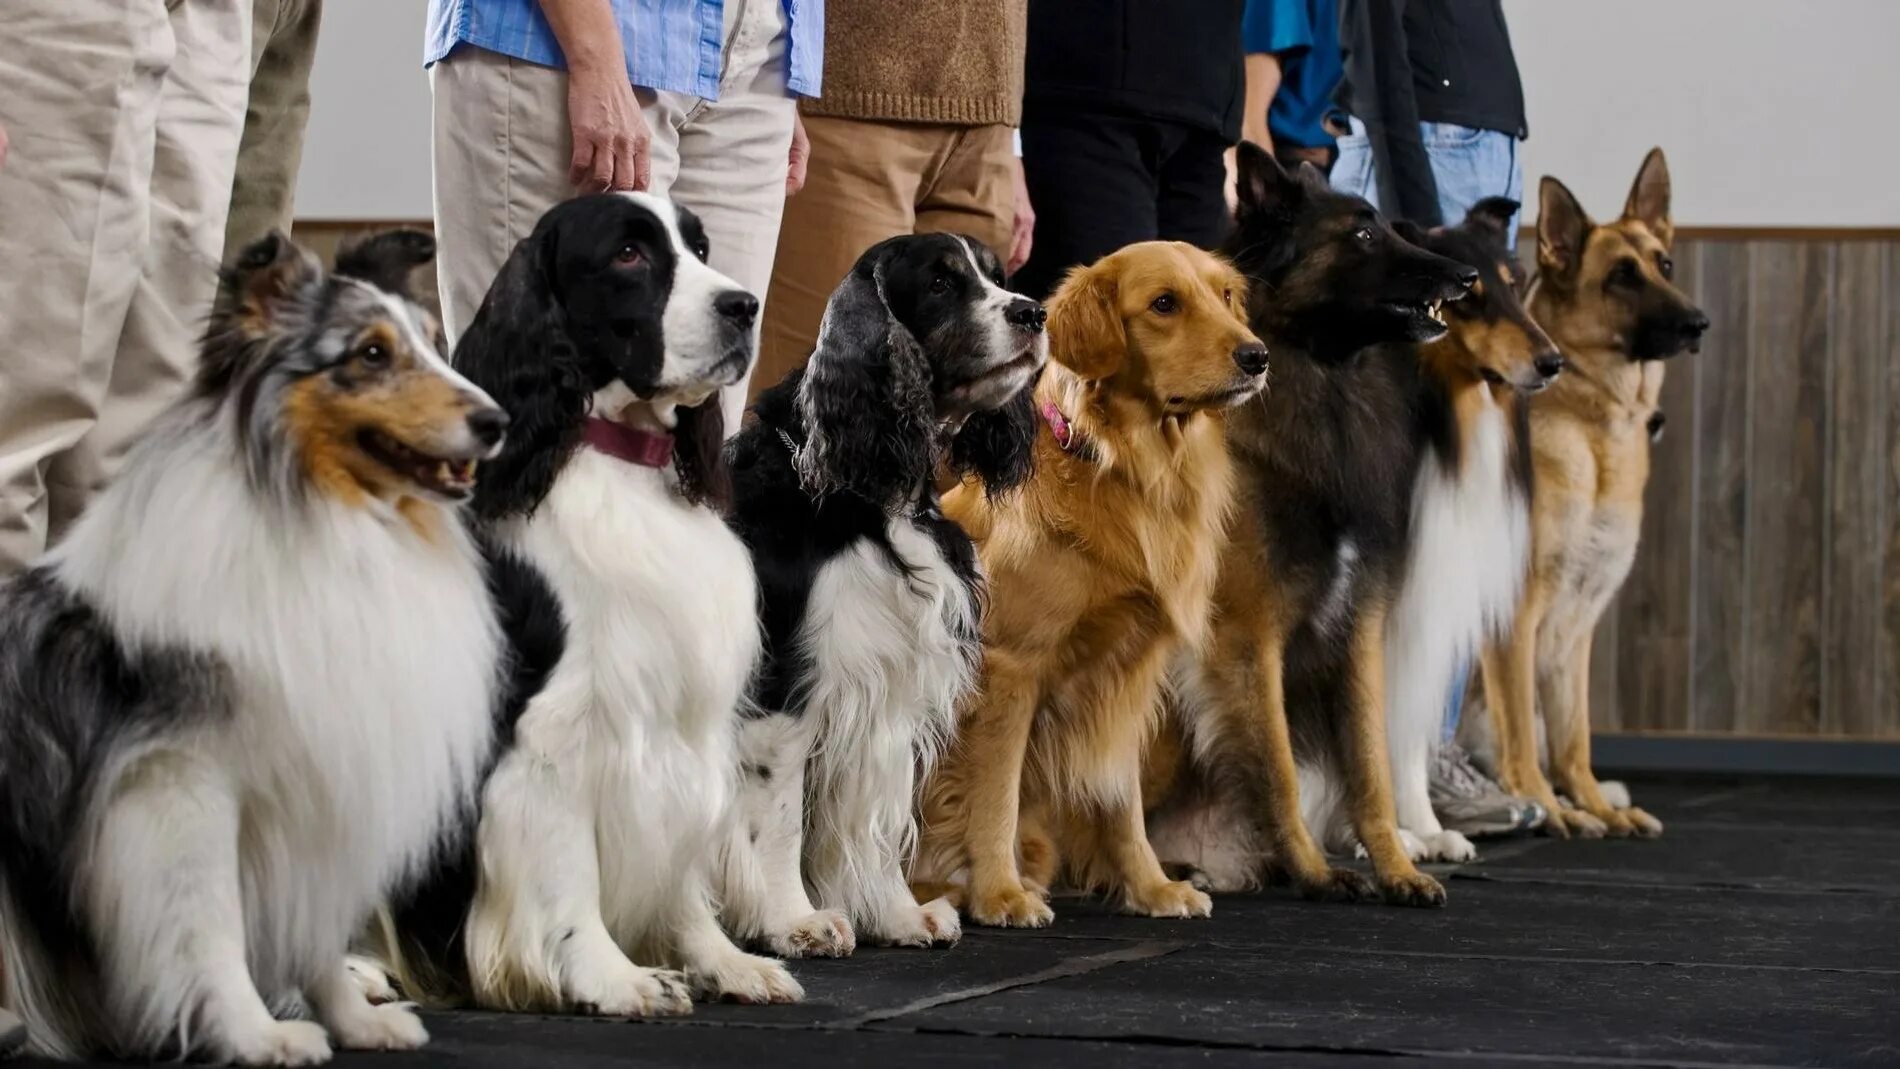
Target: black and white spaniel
{"x":629,"y":608}
{"x":869,"y":594}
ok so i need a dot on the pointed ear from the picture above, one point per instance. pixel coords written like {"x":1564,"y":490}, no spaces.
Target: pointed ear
{"x":1648,"y":201}
{"x":1561,"y":228}
{"x":1261,"y":185}
{"x":1492,"y":217}
{"x":267,"y":273}
{"x":1086,"y":334}
{"x":386,"y":260}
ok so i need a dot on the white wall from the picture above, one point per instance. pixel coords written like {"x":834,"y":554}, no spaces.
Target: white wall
{"x":1773,"y":112}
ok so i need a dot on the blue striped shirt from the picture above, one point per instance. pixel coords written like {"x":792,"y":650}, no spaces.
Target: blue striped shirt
{"x":671,"y":45}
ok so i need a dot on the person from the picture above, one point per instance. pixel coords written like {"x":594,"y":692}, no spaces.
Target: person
{"x":283,"y":48}
{"x":1436,"y":108}
{"x":538,"y":100}
{"x":12,"y":1030}
{"x":124,"y":118}
{"x":1128,"y":109}
{"x":1292,"y":68}
{"x":912,"y":134}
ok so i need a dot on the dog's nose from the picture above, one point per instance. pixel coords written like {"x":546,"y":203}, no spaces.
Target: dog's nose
{"x":1695,"y":325}
{"x":1251,"y":357}
{"x":488,"y":425}
{"x":1467,"y":276}
{"x":738,"y":306}
{"x":1548,"y":364}
{"x":1026,"y":315}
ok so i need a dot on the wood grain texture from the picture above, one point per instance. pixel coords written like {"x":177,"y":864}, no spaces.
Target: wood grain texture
{"x":1888,"y":589}
{"x":1856,"y":489}
{"x":1719,"y":505}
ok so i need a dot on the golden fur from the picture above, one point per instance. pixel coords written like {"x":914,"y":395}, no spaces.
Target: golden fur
{"x":1099,"y":570}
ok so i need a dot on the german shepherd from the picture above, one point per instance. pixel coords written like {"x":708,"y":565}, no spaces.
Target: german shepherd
{"x":1604,"y":293}
{"x":1327,"y":460}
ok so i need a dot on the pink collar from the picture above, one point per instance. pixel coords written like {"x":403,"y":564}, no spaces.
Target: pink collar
{"x":1058,"y":424}
{"x":648,"y":449}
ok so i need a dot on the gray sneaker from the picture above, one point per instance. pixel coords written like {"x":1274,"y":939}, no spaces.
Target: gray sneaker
{"x":1466,"y":800}
{"x":12,"y":1034}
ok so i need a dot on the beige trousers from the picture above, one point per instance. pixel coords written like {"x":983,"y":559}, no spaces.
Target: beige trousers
{"x":502,"y":147}
{"x":283,"y":49}
{"x":124,"y":117}
{"x":869,"y":181}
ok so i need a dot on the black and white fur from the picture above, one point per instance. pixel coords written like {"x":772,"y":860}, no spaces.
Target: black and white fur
{"x":869,"y":594}
{"x":234,"y":710}
{"x":631,"y":612}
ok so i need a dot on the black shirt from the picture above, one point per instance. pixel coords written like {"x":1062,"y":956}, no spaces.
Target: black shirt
{"x":1413,"y":61}
{"x":1175,"y":60}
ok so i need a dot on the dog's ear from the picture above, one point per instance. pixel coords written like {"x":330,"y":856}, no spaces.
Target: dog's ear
{"x":1561,"y":227}
{"x":265,"y":274}
{"x":865,"y":399}
{"x":699,"y":458}
{"x":1492,"y":217}
{"x":386,"y":260}
{"x":518,"y":350}
{"x":999,"y":446}
{"x":1086,"y":334}
{"x":1261,"y":184}
{"x":1648,"y":201}
{"x":1409,"y":230}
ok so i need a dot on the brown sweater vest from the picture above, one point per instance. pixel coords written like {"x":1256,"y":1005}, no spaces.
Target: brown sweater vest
{"x":958,"y":62}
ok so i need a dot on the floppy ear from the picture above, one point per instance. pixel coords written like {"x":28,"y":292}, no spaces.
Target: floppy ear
{"x":386,"y":260}
{"x":1648,"y":201}
{"x":1492,"y":217}
{"x":865,"y":399}
{"x":518,"y":350}
{"x":998,"y":446}
{"x":699,"y":459}
{"x":1086,"y":334}
{"x":1561,"y":228}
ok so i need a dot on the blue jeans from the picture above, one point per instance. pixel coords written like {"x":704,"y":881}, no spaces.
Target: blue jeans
{"x":1468,"y":165}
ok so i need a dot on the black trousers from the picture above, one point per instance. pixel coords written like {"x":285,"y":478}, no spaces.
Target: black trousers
{"x":1098,"y":182}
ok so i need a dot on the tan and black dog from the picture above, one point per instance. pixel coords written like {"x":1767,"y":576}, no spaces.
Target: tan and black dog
{"x":1604,"y":294}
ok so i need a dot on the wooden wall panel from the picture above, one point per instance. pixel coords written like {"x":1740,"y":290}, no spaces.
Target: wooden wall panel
{"x":1857,"y":502}
{"x":1719,"y":506}
{"x":1887,"y":589}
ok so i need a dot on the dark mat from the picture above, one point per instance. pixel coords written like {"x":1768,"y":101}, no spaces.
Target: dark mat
{"x":1713,"y":855}
{"x":1806,"y":802}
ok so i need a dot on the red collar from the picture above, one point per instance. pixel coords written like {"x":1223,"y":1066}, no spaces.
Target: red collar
{"x":648,"y":449}
{"x":1058,"y":424}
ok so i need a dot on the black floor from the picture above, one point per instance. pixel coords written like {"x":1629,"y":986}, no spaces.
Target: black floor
{"x":1764,"y":929}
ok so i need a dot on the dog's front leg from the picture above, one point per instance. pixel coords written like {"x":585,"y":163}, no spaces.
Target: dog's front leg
{"x":1569,"y":727}
{"x":166,"y":902}
{"x":339,"y":1002}
{"x":994,"y":743}
{"x":716,"y":967}
{"x":1510,"y":699}
{"x":1368,"y":767}
{"x":763,"y":894}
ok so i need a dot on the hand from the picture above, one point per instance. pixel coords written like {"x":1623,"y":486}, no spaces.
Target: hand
{"x":612,"y":142}
{"x":799,"y":159}
{"x":1022,"y":231}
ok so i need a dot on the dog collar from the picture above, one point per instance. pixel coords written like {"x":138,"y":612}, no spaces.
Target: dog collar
{"x":649,"y":449}
{"x":1058,"y":424}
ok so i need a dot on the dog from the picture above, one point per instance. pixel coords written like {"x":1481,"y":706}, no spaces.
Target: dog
{"x":249,"y":691}
{"x":630,"y":614}
{"x":1328,"y":460}
{"x":1605,"y":295}
{"x":869,"y":593}
{"x":1470,"y":522}
{"x":1101,"y":567}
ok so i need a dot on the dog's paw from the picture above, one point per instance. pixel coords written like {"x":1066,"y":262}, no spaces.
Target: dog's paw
{"x":1412,"y":889}
{"x":1615,"y":792}
{"x":1174,"y":898}
{"x":933,"y":924}
{"x":750,"y":979}
{"x":1449,"y":846}
{"x":1642,"y":824}
{"x":1568,"y":823}
{"x":824,"y":934}
{"x":390,"y":1026}
{"x":279,"y":1043}
{"x":1416,"y":849}
{"x":371,"y":980}
{"x":1339,"y":885}
{"x":637,"y":992}
{"x":1012,"y":907}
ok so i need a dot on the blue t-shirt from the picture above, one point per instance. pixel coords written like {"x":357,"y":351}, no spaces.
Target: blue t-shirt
{"x":1305,"y":35}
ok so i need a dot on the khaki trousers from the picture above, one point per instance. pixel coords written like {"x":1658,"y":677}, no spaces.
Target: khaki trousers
{"x":502,"y":146}
{"x":869,"y":181}
{"x":124,"y":117}
{"x":283,"y":49}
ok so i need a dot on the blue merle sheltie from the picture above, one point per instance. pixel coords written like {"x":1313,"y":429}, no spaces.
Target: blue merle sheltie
{"x":247,"y":693}
{"x":869,"y":594}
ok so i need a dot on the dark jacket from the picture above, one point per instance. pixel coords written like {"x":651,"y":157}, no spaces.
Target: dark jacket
{"x":1173,"y":60}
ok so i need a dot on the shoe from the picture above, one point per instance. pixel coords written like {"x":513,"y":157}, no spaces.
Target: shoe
{"x":1467,"y":801}
{"x":12,"y":1034}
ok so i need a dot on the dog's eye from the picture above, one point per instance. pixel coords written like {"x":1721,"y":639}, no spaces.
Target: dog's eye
{"x":1165,"y":304}
{"x":1364,"y":234}
{"x":629,"y":256}
{"x":702,"y":250}
{"x":1627,"y":274}
{"x":940,"y":284}
{"x":1666,"y":266}
{"x":373,"y":355}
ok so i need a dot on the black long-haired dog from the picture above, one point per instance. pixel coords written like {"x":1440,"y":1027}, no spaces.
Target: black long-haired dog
{"x":631,"y":610}
{"x":869,"y":594}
